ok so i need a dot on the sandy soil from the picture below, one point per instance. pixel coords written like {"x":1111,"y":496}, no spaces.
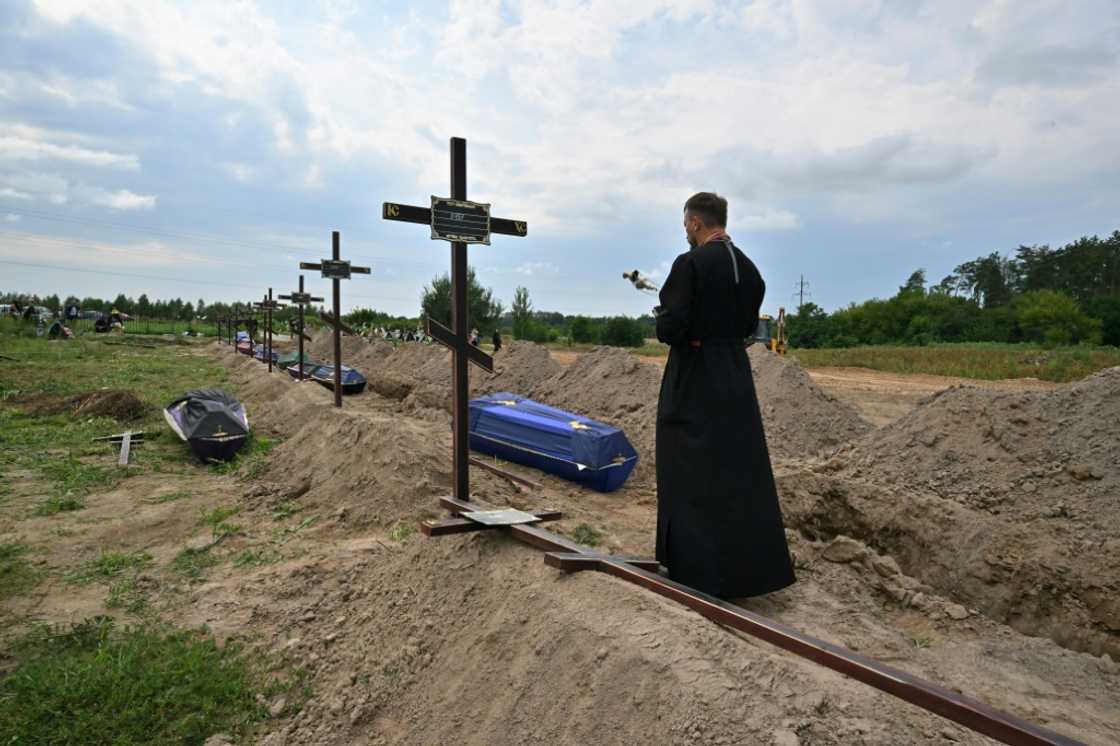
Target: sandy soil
{"x":471,"y":639}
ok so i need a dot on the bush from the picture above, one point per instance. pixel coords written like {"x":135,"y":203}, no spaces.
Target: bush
{"x":622,"y":331}
{"x":583,"y":330}
{"x":1053,"y":318}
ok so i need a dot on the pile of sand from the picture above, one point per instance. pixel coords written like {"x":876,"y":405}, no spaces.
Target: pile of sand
{"x":801,"y":418}
{"x":1050,"y":454}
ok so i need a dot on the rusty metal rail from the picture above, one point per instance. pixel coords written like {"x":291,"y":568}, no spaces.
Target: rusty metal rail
{"x":971,"y":713}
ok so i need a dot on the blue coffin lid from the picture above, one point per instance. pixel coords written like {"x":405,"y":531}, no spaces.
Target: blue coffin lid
{"x":349,"y":375}
{"x":536,"y":427}
{"x":242,"y":335}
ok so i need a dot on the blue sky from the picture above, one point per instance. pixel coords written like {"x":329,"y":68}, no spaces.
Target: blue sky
{"x":204,"y":149}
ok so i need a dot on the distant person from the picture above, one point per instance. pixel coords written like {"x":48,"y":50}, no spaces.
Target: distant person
{"x":474,"y":338}
{"x":719,"y":525}
{"x":497,"y":340}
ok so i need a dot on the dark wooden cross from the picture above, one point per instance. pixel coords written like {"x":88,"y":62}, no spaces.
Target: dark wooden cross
{"x":461,"y":222}
{"x":268,"y":305}
{"x":301,"y":299}
{"x":336,"y":269}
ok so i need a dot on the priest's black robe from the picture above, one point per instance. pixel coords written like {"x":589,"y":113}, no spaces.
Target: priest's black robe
{"x":719,"y":525}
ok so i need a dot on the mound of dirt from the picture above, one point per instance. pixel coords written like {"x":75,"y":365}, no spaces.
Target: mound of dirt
{"x":120,"y":405}
{"x":800,"y":417}
{"x":1049,"y":455}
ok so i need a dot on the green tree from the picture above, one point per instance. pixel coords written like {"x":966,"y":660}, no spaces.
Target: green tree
{"x":583,"y":330}
{"x":1054,"y":318}
{"x":809,"y":327}
{"x":143,"y":305}
{"x":522,"y":311}
{"x":623,"y":331}
{"x":483,"y":311}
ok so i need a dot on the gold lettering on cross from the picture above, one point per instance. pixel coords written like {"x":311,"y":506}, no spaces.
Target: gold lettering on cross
{"x":392,"y":211}
{"x":519,"y":227}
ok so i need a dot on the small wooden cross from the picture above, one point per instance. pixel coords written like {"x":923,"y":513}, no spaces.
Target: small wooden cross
{"x":461,"y":222}
{"x":301,"y":299}
{"x":336,"y":269}
{"x":268,"y":305}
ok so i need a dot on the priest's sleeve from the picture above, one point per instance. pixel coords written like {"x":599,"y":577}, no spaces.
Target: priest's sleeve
{"x":676,"y":301}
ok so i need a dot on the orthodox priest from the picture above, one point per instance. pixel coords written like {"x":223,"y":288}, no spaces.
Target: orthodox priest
{"x":719,"y":525}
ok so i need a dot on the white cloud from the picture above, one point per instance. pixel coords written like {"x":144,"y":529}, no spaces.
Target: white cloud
{"x":23,"y":143}
{"x":242,"y":172}
{"x":769,"y":219}
{"x":537,"y":268}
{"x":12,"y":218}
{"x":123,"y":200}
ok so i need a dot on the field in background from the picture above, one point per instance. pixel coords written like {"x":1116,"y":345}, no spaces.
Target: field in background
{"x":985,"y":361}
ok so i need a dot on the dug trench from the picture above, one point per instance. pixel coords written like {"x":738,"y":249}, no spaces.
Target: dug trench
{"x":473,"y":639}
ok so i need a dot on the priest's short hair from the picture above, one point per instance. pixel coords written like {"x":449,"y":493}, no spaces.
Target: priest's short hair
{"x":709,"y":207}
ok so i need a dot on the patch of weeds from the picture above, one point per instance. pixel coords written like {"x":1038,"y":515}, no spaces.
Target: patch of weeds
{"x":391,"y":672}
{"x":16,"y":573}
{"x":587,"y":535}
{"x":256,"y":557}
{"x":285,"y":509}
{"x":95,"y":683}
{"x":166,"y":497}
{"x":73,"y":477}
{"x":921,"y":642}
{"x":128,"y":594}
{"x":110,"y":565}
{"x":192,"y":563}
{"x":402,"y":531}
{"x":56,"y":505}
{"x":287,"y":533}
{"x":250,"y":462}
{"x":216,"y":520}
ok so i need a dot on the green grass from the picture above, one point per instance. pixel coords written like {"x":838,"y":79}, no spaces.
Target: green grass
{"x":984,"y":361}
{"x":94,"y":683}
{"x":16,"y":573}
{"x":256,"y":557}
{"x":192,"y":564}
{"x":402,"y":531}
{"x":55,"y":446}
{"x":109,"y":565}
{"x":166,"y":497}
{"x":128,"y":594}
{"x":217,"y":520}
{"x":587,"y":535}
{"x":250,"y":462}
{"x":56,"y":505}
{"x":285,"y":509}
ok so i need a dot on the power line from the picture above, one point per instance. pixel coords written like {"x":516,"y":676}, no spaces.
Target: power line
{"x":800,"y":291}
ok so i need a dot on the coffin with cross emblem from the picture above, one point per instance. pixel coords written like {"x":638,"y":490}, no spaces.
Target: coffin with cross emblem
{"x":557,"y":442}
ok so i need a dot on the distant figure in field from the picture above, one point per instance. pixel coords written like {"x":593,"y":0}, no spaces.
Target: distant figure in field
{"x":719,"y":525}
{"x":497,"y":340}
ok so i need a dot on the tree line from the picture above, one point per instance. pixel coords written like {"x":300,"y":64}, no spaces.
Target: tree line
{"x":1053,"y":296}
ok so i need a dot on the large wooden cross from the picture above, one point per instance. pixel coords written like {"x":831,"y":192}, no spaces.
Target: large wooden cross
{"x":301,"y":299}
{"x":336,"y":269}
{"x":461,"y":222}
{"x":268,"y":305}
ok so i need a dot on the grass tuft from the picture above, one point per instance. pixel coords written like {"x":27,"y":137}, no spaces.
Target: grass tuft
{"x":110,"y":565}
{"x":16,"y":573}
{"x":56,"y":505}
{"x":402,"y":531}
{"x":587,"y":535}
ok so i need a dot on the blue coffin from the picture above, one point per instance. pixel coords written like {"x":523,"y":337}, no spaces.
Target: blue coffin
{"x":260,"y":352}
{"x":552,"y":440}
{"x":353,"y":382}
{"x":242,"y":336}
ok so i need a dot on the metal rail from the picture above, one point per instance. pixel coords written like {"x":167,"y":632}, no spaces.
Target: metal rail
{"x":971,"y":713}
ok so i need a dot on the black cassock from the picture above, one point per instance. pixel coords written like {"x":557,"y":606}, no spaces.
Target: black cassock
{"x":719,"y":526}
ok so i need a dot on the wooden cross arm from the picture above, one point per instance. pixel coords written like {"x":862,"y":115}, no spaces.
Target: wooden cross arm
{"x":301,"y":298}
{"x":448,"y":338}
{"x":423,"y":216}
{"x":318,"y":266}
{"x":573,"y":562}
{"x":328,"y":317}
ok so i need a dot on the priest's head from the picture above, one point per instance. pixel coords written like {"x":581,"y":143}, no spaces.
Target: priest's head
{"x":705,"y":215}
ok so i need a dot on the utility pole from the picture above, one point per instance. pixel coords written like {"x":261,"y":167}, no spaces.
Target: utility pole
{"x":802,"y":289}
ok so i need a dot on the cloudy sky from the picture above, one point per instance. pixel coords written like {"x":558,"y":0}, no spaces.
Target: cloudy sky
{"x":203,"y":149}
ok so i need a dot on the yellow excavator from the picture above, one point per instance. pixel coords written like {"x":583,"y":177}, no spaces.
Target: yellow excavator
{"x":771,"y":332}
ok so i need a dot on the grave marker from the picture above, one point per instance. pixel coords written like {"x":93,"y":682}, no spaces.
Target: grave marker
{"x":336,"y":269}
{"x":268,"y":305}
{"x":301,"y":299}
{"x":459,"y":221}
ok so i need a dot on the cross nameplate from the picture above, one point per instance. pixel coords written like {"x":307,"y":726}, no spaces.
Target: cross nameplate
{"x":460,"y":220}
